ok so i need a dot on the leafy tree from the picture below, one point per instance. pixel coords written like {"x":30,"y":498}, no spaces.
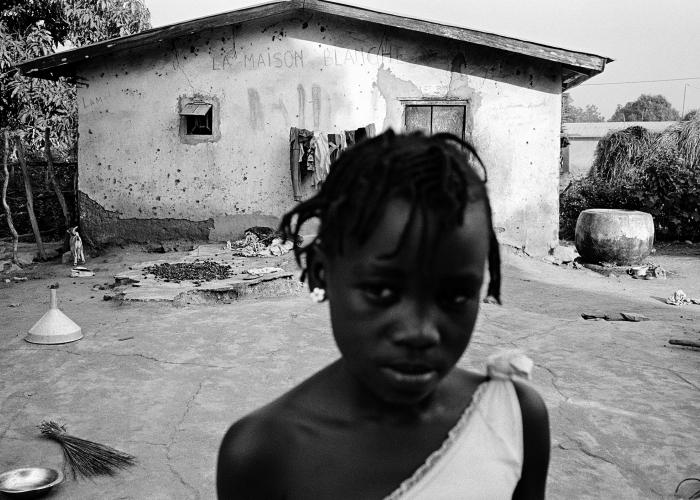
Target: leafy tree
{"x":34,"y":28}
{"x":573,"y":114}
{"x":692,"y":115}
{"x":40,"y":112}
{"x":646,"y":108}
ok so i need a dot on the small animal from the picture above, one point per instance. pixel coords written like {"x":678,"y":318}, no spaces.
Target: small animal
{"x":76,"y":246}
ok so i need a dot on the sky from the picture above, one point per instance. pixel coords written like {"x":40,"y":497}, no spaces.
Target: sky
{"x":649,"y":39}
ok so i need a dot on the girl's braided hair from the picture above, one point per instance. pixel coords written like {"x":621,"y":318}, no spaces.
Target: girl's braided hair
{"x":433,"y":173}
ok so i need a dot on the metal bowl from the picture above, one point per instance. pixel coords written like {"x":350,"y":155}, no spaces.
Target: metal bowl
{"x":29,"y":481}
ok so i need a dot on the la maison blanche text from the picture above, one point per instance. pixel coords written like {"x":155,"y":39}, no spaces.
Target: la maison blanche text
{"x":290,"y":59}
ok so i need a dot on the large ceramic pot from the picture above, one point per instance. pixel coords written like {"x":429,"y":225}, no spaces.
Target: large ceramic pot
{"x":618,"y":237}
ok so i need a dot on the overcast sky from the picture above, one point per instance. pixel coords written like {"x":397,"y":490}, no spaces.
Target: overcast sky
{"x":649,"y":39}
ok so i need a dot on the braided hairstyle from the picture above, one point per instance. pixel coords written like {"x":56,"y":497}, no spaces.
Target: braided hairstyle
{"x":433,"y":173}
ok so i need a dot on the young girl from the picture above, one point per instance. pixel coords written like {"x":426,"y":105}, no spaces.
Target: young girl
{"x":405,"y":233}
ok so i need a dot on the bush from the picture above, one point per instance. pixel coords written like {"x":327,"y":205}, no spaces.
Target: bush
{"x":591,"y":192}
{"x":665,"y":184}
{"x":672,"y":197}
{"x":668,"y":191}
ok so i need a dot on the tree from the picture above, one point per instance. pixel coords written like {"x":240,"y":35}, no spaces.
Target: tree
{"x":574,"y":114}
{"x":34,"y":28}
{"x":41,"y":114}
{"x":646,"y":108}
{"x":3,"y":197}
{"x":691,"y":115}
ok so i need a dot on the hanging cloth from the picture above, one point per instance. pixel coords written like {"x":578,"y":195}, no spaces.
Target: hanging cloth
{"x":322,"y":158}
{"x":350,"y":137}
{"x":299,"y":140}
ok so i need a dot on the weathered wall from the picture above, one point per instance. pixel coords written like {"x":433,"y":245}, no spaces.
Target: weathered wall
{"x":316,"y":73}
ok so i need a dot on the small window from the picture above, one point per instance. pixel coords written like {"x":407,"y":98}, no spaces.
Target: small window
{"x":198,"y":118}
{"x":432,"y":118}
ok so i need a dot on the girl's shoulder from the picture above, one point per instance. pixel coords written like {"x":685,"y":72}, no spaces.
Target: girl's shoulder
{"x":251,"y":456}
{"x":257,"y":450}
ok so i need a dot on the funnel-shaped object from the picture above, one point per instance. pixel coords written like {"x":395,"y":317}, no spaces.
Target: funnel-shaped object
{"x":54,"y":327}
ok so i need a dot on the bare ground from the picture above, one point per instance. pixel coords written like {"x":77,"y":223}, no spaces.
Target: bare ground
{"x":164,"y":382}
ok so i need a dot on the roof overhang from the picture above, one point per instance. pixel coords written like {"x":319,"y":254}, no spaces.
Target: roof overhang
{"x":576,"y":66}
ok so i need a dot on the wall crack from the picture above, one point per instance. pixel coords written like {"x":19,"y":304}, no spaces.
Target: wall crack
{"x":173,"y":437}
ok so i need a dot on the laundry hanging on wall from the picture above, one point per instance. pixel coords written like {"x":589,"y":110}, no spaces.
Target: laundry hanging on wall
{"x":313,"y":152}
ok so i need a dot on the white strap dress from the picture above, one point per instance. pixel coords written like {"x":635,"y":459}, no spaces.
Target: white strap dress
{"x":482,"y":456}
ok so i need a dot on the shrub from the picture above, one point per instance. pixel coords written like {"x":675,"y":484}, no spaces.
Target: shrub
{"x":591,"y":192}
{"x":637,"y":171}
{"x":672,"y":196}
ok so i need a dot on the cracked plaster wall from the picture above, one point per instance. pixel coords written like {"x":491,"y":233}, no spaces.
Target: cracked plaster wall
{"x":315,"y":72}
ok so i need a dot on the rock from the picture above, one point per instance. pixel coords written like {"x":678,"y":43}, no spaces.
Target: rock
{"x":156,"y":248}
{"x":53,"y":253}
{"x":81,"y":272}
{"x":25,"y":258}
{"x":12,"y":268}
{"x":67,"y":258}
{"x":564,"y":254}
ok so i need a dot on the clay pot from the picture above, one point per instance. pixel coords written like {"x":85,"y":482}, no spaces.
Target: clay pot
{"x":619,"y":237}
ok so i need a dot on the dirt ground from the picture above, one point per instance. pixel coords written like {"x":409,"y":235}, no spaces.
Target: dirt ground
{"x":164,"y":381}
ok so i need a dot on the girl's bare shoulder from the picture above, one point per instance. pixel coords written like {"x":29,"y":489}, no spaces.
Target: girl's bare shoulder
{"x":250,"y":456}
{"x":256,"y":450}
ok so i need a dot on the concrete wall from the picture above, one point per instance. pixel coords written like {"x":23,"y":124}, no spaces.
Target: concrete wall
{"x":584,"y":137}
{"x":316,"y":73}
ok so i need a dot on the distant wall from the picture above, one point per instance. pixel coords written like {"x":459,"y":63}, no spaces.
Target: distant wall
{"x":584,"y":137}
{"x":317,"y":73}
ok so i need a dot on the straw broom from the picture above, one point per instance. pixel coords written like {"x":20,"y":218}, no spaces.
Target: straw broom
{"x":86,"y":458}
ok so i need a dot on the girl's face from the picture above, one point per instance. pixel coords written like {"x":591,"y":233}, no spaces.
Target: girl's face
{"x":402,"y":323}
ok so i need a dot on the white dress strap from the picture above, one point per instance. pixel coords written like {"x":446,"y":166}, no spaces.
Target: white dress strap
{"x":508,"y":364}
{"x":482,"y":455}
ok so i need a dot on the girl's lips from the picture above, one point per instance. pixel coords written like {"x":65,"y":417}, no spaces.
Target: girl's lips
{"x":409,"y":376}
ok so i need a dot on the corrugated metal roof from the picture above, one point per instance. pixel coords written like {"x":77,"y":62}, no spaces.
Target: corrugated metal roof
{"x":576,"y":66}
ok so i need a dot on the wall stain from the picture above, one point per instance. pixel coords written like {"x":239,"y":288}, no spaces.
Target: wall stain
{"x":279,"y":106}
{"x":316,"y":103}
{"x":233,"y":41}
{"x":105,"y":227}
{"x":459,"y":63}
{"x":301,"y":94}
{"x":392,"y":87}
{"x":255,"y":110}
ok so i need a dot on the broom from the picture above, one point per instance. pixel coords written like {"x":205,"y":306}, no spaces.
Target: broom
{"x":86,"y":457}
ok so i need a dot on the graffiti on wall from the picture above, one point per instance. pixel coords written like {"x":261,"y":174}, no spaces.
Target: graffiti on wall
{"x":376,"y":55}
{"x":360,"y":56}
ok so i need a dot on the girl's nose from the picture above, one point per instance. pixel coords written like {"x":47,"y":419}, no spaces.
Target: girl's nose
{"x":420,"y":333}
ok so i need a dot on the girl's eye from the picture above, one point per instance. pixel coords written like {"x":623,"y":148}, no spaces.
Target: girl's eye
{"x":380,"y":294}
{"x":457,"y":300}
